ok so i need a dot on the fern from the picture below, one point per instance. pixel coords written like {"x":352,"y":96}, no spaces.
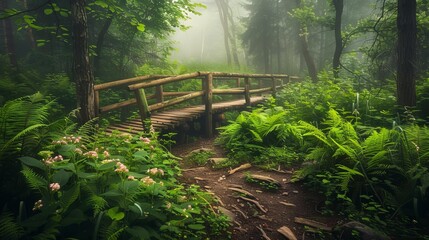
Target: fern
{"x":34,"y":180}
{"x":98,"y":203}
{"x":112,"y":231}
{"x":9,"y":229}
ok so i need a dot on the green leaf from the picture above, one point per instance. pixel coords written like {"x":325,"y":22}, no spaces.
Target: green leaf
{"x":48,"y":11}
{"x":67,"y":150}
{"x":140,"y":27}
{"x":32,"y":162}
{"x":196,"y":226}
{"x":62,"y":177}
{"x":107,"y":166}
{"x":115,"y":214}
{"x":70,"y":196}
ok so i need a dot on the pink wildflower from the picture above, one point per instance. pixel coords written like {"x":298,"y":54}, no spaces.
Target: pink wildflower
{"x":91,"y":154}
{"x":145,"y":140}
{"x":155,"y":171}
{"x":54,"y":187}
{"x":78,"y":151}
{"x":38,"y":205}
{"x":121,"y":168}
{"x":106,"y":154}
{"x":131,"y":177}
{"x":51,"y":160}
{"x":147,"y":180}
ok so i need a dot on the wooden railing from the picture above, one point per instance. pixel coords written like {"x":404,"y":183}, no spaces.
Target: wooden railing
{"x":139,"y":86}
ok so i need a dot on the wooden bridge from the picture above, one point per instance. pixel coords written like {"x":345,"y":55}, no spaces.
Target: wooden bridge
{"x":162,"y":107}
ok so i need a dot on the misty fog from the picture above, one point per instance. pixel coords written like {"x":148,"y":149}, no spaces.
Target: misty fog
{"x":203,"y":42}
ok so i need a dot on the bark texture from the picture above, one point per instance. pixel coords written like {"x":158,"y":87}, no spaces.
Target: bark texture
{"x":407,"y":43}
{"x":82,"y":71}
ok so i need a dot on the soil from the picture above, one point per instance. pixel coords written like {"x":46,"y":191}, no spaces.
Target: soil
{"x":248,"y":219}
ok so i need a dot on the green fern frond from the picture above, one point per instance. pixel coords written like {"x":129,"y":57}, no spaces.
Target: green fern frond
{"x":98,"y":203}
{"x":87,"y":130}
{"x":112,"y":231}
{"x":51,"y":232}
{"x":310,"y":130}
{"x":34,"y":180}
{"x":9,"y":229}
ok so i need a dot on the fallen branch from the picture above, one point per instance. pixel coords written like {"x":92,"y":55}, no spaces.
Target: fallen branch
{"x":313,"y":223}
{"x":241,"y":167}
{"x":265,"y":179}
{"x":288,"y":204}
{"x":241,"y":212}
{"x":254,"y":202}
{"x":242,"y":191}
{"x":264,"y":235}
{"x":285,"y":231}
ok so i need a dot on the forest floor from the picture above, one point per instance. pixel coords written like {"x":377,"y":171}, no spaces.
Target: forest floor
{"x":290,"y":204}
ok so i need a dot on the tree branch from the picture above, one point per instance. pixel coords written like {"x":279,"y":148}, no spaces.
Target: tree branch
{"x":25,"y":11}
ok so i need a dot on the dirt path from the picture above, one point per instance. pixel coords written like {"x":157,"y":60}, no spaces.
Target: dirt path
{"x":248,"y":218}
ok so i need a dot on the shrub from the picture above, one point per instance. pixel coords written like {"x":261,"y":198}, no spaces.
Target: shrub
{"x":114,"y":186}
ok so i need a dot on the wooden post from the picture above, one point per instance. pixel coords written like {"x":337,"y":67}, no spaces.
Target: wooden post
{"x":204,"y":88}
{"x":238,"y":82}
{"x":260,"y":85}
{"x":273,"y":84}
{"x":246,"y":90}
{"x":97,"y":103}
{"x":159,"y":94}
{"x":143,"y":108}
{"x":208,"y":105}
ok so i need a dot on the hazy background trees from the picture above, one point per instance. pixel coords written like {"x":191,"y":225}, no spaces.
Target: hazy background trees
{"x":355,"y":39}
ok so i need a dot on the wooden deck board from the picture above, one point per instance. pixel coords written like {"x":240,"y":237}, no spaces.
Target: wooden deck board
{"x":169,"y":119}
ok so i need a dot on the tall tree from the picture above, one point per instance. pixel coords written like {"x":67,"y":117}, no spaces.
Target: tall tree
{"x":9,"y":40}
{"x":338,"y":5}
{"x":82,"y":71}
{"x":407,"y":43}
{"x":304,"y":14}
{"x":228,"y":26}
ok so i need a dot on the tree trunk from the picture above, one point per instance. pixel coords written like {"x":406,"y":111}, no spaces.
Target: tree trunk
{"x":82,"y":71}
{"x":407,"y":42}
{"x":311,"y":66}
{"x":9,"y":39}
{"x":30,"y":34}
{"x":305,"y":51}
{"x":339,"y":5}
{"x":100,"y":40}
{"x":224,"y":22}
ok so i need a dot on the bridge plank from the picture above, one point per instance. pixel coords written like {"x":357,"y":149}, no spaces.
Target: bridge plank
{"x":172,"y":118}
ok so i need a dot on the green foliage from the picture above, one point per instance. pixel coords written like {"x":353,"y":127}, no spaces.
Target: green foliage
{"x":9,"y":229}
{"x":115,"y":186}
{"x":389,"y":167}
{"x":252,"y":132}
{"x":308,"y":101}
{"x":199,"y":158}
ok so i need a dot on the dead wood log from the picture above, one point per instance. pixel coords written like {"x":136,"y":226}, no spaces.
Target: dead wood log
{"x":241,"y":167}
{"x":313,"y":223}
{"x":285,"y":231}
{"x":254,"y":202}
{"x":246,"y":193}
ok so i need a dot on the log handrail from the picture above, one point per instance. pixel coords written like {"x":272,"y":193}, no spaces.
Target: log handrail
{"x":138,"y":85}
